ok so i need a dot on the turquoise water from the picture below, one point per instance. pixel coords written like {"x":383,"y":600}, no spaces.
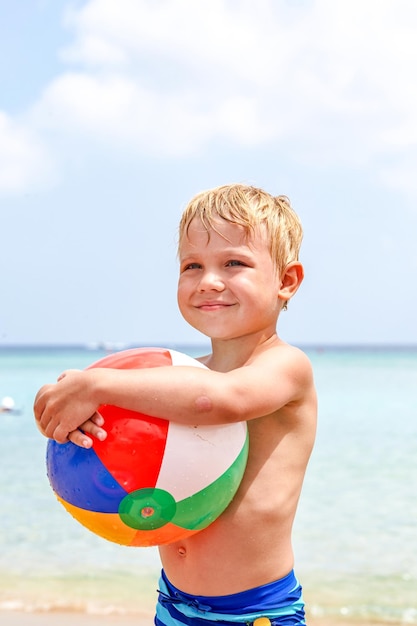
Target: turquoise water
{"x":355,"y":535}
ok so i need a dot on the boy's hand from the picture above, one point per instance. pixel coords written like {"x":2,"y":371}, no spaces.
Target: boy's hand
{"x":92,"y":426}
{"x":63,"y":408}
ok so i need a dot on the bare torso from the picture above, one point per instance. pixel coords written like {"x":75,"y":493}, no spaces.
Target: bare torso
{"x":250,"y":543}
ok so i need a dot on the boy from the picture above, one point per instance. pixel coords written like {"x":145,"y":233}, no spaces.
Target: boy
{"x":238,"y":252}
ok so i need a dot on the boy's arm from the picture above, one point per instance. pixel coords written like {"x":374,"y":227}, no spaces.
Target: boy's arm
{"x":186,"y":395}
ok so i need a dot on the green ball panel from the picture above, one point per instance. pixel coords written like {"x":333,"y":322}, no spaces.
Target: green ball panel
{"x":147,"y":509}
{"x":202,"y":508}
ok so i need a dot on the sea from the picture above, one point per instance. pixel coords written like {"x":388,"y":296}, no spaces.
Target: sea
{"x":355,"y":535}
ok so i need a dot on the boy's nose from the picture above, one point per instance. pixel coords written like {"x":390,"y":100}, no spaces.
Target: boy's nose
{"x":211,"y":281}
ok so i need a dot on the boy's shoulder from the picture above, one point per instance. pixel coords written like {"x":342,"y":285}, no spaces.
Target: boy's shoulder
{"x":279,"y":349}
{"x":282,"y":357}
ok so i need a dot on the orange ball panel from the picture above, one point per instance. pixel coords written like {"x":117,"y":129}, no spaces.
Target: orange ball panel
{"x":166,"y":534}
{"x":107,"y":525}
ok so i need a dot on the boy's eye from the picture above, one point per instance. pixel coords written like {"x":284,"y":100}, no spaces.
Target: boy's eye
{"x":192,"y":266}
{"x":234,"y":263}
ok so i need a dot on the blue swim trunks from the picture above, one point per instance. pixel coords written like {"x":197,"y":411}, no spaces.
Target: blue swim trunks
{"x":280,"y":603}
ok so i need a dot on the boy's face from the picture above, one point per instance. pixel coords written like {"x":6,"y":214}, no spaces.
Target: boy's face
{"x":228,"y":285}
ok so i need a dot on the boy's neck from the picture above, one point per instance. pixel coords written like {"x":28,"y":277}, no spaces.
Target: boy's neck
{"x":233,"y":353}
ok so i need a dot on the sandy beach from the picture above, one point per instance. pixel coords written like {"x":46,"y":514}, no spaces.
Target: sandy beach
{"x":14,"y":618}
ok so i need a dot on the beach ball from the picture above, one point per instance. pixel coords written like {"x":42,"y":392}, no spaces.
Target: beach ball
{"x":152,"y":481}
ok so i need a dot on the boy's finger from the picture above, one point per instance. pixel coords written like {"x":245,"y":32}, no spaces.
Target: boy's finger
{"x":80,"y":439}
{"x":97,"y":419}
{"x":92,"y":429}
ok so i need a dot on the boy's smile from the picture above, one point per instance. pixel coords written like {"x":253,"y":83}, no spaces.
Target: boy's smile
{"x":228,"y":285}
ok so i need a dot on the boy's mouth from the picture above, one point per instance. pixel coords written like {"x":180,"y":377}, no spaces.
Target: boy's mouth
{"x":213,"y":305}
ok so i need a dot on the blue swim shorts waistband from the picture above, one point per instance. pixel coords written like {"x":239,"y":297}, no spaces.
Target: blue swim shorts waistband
{"x":280,"y":601}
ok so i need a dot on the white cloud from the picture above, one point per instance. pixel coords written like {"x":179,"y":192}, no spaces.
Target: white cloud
{"x":332,"y":79}
{"x":214,"y":34}
{"x":117,"y":109}
{"x":296,"y":69}
{"x":24,"y":162}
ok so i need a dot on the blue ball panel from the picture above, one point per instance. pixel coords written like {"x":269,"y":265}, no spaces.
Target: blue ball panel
{"x":80,"y":478}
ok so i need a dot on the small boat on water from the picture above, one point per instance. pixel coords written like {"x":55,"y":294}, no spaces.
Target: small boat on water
{"x":7,"y":405}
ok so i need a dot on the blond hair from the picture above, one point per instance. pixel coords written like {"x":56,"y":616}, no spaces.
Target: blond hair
{"x":249,"y":207}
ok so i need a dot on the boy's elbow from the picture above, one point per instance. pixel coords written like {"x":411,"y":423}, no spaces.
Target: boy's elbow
{"x":226,"y":413}
{"x":203,"y":404}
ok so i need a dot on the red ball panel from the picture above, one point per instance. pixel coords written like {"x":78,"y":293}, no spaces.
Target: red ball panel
{"x":134,"y":448}
{"x":135,"y":444}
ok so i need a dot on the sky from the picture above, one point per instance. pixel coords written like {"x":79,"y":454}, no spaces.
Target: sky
{"x":113,"y":115}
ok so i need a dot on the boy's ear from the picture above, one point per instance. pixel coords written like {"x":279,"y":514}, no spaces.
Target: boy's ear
{"x":291,"y":279}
